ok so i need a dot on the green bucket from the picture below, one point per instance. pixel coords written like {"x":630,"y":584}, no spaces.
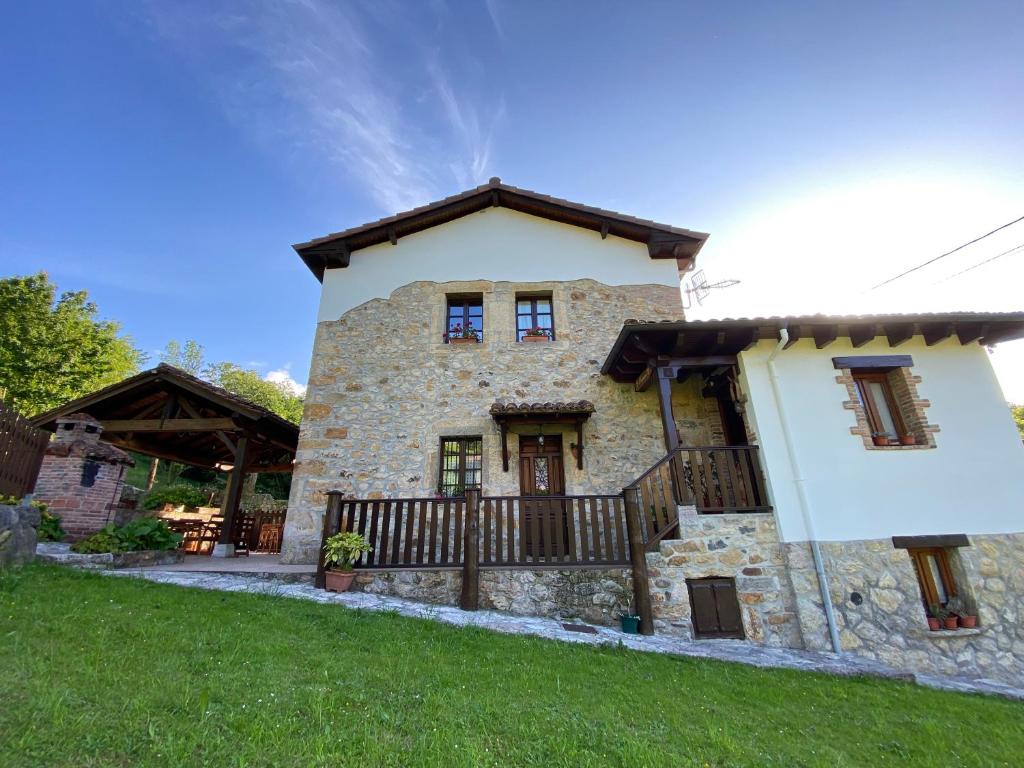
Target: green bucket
{"x":630,"y":624}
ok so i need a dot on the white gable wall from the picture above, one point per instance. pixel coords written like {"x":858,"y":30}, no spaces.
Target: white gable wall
{"x":972,"y":482}
{"x":493,"y":244}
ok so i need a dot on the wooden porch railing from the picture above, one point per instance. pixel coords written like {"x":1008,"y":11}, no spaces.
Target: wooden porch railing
{"x":563,"y":532}
{"x":553,"y":531}
{"x":714,"y":479}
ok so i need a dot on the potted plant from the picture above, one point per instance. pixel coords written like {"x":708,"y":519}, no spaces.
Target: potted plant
{"x":881,"y":439}
{"x":630,"y":621}
{"x":459,"y":335}
{"x":908,"y":440}
{"x":935,"y":615}
{"x":340,"y":551}
{"x":537,"y":334}
{"x":958,"y":607}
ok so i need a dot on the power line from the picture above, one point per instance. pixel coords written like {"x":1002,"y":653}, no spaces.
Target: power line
{"x":947,"y":253}
{"x":983,"y":263}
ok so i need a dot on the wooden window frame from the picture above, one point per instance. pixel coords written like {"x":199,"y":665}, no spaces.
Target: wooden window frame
{"x":459,"y":490}
{"x":868,"y":401}
{"x":919,"y":557}
{"x":463,"y":302}
{"x":533,"y":298}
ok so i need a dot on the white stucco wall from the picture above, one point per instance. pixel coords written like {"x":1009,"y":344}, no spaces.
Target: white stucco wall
{"x":972,"y":482}
{"x":493,"y":244}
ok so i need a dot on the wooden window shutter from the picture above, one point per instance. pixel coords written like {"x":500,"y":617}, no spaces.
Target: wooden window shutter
{"x":715,"y":608}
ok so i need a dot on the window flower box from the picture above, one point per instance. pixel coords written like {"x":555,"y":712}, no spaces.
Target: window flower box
{"x":464,"y":340}
{"x":537,"y":334}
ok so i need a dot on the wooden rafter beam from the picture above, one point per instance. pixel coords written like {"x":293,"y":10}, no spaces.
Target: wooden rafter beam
{"x":898,"y":334}
{"x":862,"y":334}
{"x":643,"y":381}
{"x":824,"y":335}
{"x":167,"y":425}
{"x":794,"y":336}
{"x":935,"y":333}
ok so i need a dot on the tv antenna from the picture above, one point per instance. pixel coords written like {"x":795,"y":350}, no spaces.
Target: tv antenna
{"x":697,"y":288}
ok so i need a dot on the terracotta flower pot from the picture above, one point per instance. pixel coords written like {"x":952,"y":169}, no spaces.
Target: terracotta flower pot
{"x":881,"y":440}
{"x":968,"y":622}
{"x":339,"y":581}
{"x":952,"y":622}
{"x":908,"y":440}
{"x":933,"y":623}
{"x":536,"y":338}
{"x":463,"y":340}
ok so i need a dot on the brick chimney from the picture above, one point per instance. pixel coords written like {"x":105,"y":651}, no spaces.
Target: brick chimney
{"x":81,"y":476}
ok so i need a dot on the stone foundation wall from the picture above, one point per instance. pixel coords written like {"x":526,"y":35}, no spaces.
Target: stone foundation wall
{"x":877,"y":602}
{"x":593,"y":596}
{"x":744,"y":547}
{"x":384,"y":388}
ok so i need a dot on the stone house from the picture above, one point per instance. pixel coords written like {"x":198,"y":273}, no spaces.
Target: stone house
{"x":524,"y":363}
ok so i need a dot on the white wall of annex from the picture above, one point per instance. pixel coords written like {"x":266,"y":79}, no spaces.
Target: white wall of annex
{"x":972,"y":482}
{"x":493,"y":244}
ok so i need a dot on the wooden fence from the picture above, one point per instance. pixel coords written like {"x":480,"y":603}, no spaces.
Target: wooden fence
{"x":21,"y":452}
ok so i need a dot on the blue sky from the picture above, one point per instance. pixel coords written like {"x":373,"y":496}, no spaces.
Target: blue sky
{"x":164,"y":156}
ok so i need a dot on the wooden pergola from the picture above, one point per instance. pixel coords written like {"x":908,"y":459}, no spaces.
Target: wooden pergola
{"x":169,"y":414}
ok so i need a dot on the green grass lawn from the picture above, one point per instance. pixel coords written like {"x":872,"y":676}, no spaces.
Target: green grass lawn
{"x":101,"y":671}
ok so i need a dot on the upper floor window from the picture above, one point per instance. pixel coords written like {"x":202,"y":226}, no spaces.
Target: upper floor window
{"x":465,"y":319}
{"x":461,"y":465}
{"x":874,"y":390}
{"x":534,"y":317}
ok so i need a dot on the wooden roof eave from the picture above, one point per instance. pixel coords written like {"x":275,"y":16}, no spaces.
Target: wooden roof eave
{"x":663,"y":241}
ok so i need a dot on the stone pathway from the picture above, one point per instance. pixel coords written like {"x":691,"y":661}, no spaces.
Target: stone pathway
{"x":723,"y":650}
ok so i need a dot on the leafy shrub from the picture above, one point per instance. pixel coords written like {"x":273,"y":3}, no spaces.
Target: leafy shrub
{"x":49,"y":528}
{"x":141,"y":533}
{"x":174,"y":494}
{"x":104,"y":540}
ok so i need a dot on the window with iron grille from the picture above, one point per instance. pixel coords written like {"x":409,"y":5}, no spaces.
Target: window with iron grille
{"x":465,"y":318}
{"x":461,"y":465}
{"x":534,"y":313}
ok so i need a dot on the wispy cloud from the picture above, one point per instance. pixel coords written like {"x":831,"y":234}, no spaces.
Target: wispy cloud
{"x":495,"y":14}
{"x":283,"y":376}
{"x":324,"y":79}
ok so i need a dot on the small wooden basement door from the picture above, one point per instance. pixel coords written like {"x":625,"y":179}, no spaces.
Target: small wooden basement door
{"x":715,"y":608}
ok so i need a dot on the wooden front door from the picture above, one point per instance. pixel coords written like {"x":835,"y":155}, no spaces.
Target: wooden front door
{"x":541,"y":473}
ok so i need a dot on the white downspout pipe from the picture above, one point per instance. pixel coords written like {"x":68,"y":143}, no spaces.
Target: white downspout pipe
{"x":805,"y":504}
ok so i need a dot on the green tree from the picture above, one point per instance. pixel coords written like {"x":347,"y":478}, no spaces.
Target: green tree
{"x":189,"y":358}
{"x":273,"y":396}
{"x":53,"y":350}
{"x":1018,"y":417}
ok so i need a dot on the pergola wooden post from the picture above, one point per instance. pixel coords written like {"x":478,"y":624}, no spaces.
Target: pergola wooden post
{"x":225,"y":547}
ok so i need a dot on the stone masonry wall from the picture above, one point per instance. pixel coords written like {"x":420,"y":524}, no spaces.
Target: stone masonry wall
{"x":384,"y":387}
{"x":878,"y":608}
{"x":744,"y":547}
{"x":593,"y":596}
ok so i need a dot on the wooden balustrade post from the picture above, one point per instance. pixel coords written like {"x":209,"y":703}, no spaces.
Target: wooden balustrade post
{"x":469,"y":599}
{"x":331,"y":525}
{"x":638,"y":559}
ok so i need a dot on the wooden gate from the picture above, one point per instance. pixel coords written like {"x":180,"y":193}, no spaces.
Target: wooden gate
{"x":21,"y":452}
